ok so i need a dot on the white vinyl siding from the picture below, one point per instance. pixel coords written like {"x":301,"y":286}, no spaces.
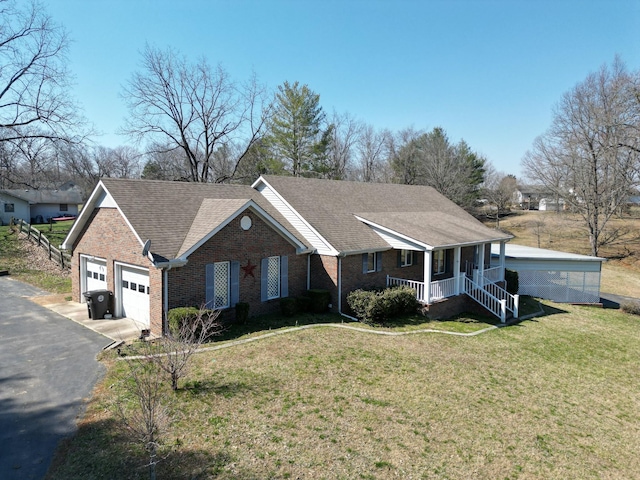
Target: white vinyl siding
{"x":309,"y":233}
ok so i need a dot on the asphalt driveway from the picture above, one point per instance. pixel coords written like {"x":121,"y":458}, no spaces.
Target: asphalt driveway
{"x":48,"y":369}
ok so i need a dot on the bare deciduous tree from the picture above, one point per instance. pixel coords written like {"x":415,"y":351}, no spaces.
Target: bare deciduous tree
{"x":193,"y":108}
{"x":174,"y":350}
{"x":146,"y":417}
{"x":34,"y":82}
{"x":587,"y":158}
{"x":498,"y":189}
{"x":373,"y":149}
{"x":342,"y":141}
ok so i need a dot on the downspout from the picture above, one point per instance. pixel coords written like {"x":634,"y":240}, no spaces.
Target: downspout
{"x":165,"y":299}
{"x":340,"y":292}
{"x":165,"y":267}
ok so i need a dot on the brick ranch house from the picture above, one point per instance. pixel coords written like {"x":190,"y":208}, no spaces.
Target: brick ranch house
{"x":159,"y":245}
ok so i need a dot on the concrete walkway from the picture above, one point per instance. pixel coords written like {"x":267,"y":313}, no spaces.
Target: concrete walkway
{"x":120,"y":329}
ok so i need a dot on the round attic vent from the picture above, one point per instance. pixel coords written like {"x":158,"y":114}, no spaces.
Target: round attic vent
{"x":245,"y":222}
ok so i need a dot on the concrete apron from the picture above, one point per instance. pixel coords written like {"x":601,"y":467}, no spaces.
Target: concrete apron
{"x":117,"y":329}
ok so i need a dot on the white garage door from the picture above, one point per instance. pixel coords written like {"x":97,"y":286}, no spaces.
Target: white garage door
{"x":95,"y":274}
{"x":134,"y":290}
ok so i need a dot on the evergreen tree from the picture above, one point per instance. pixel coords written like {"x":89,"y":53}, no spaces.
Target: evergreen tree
{"x":295,"y":135}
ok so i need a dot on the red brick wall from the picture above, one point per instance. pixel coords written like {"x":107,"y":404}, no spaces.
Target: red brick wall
{"x":106,"y":235}
{"x":324,"y":276}
{"x":187,"y":284}
{"x":353,"y":278}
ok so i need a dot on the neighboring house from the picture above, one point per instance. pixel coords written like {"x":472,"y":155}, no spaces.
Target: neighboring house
{"x":38,"y":206}
{"x":558,"y":276}
{"x":550,"y":204}
{"x":159,"y":245}
{"x":528,"y":196}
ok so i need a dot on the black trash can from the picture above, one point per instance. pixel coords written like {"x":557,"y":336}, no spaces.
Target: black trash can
{"x":99,"y":302}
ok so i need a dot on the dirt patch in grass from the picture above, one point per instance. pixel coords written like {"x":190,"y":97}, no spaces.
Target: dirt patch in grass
{"x":554,"y":397}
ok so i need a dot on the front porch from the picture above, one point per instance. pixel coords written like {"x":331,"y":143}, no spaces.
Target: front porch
{"x":476,"y":281}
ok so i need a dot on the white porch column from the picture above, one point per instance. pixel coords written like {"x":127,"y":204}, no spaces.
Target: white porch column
{"x":456,"y":268}
{"x":502,"y":259}
{"x":481,"y":264}
{"x":427,"y":276}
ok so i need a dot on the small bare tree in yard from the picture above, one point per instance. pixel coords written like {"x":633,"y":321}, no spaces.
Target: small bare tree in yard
{"x":174,"y":350}
{"x":146,"y":417}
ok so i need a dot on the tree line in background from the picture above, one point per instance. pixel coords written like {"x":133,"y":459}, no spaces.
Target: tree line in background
{"x":190,"y":121}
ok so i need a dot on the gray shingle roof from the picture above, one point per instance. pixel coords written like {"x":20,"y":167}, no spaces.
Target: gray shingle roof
{"x":72,"y":196}
{"x":166,"y":212}
{"x":416,"y":211}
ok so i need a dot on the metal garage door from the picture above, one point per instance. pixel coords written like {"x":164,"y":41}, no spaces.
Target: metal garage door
{"x":95,"y":274}
{"x":134,"y":291}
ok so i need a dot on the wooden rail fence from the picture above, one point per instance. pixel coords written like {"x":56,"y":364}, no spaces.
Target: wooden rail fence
{"x":61,"y":258}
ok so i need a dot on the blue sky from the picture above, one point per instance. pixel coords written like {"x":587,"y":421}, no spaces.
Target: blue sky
{"x":486,"y":71}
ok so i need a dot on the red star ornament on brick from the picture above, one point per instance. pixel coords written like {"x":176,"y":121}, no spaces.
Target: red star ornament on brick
{"x":248,"y":269}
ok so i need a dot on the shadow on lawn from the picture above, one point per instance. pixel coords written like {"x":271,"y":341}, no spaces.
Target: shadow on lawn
{"x":103,"y":449}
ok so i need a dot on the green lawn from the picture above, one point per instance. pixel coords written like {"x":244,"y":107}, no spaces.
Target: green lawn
{"x":551,"y":397}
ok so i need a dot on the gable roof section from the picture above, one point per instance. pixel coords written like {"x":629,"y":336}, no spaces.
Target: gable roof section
{"x":347,"y":214}
{"x":215,"y":214}
{"x":169,"y":213}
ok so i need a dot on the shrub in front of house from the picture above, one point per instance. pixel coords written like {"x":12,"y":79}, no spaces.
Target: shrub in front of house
{"x":319,"y":300}
{"x":303,"y":303}
{"x":376,"y":307}
{"x":513,"y":284}
{"x":242,"y":312}
{"x":180,"y":316}
{"x":288,"y":306}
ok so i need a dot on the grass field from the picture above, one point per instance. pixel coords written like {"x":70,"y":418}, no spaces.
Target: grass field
{"x":552,"y":397}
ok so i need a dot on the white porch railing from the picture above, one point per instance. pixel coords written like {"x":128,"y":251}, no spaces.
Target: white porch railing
{"x":512,"y":301}
{"x":493,"y":274}
{"x":488,"y":294}
{"x":417,"y":286}
{"x":487,"y":300}
{"x":443,"y":288}
{"x":439,"y":289}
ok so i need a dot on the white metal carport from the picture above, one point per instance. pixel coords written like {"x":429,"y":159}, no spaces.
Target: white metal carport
{"x":558,"y":276}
